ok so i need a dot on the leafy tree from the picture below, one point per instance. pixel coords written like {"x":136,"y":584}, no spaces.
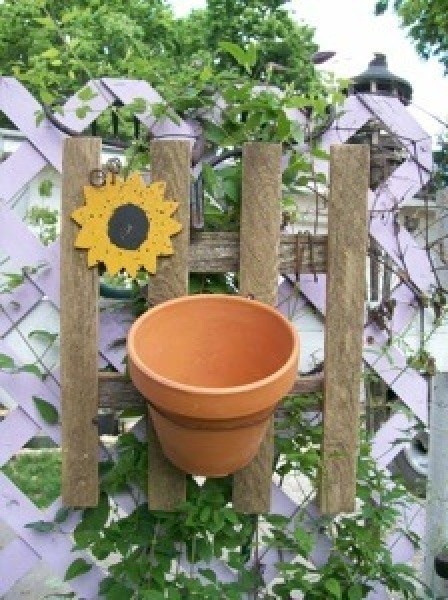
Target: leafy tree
{"x":427,"y":23}
{"x":283,"y":45}
{"x":54,"y":46}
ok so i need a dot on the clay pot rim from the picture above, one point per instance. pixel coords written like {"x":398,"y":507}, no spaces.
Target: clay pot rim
{"x":207,"y":391}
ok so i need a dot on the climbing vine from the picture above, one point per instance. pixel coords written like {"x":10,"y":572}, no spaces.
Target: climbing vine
{"x":152,"y":555}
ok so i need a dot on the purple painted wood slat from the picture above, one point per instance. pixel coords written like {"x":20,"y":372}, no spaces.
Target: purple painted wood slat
{"x":384,"y":445}
{"x":16,"y":305}
{"x":415,"y":258}
{"x":400,"y":187}
{"x":20,"y":106}
{"x":16,"y":560}
{"x":127,"y":91}
{"x":54,"y":548}
{"x":404,"y":381}
{"x":30,"y":252}
{"x":398,"y":120}
{"x":19,"y":169}
{"x":354,"y":116}
{"x":97,"y":106}
{"x":16,"y":430}
{"x":406,"y":308}
{"x":22,"y":387}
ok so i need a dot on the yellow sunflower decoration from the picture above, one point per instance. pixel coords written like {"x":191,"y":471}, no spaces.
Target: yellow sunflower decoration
{"x":126,"y":224}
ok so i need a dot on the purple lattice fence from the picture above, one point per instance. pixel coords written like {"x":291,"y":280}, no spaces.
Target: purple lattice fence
{"x":42,"y":147}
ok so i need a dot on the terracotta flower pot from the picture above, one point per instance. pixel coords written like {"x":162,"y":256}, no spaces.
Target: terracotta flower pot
{"x":213,"y":368}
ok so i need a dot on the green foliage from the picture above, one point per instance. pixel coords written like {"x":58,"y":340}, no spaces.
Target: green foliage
{"x":38,"y":475}
{"x":8,"y":364}
{"x":10,"y":281}
{"x":284,"y":48}
{"x":46,"y":410}
{"x":235,"y":51}
{"x":44,"y":219}
{"x":55,"y":46}
{"x":146,"y":544}
{"x":426,"y":24}
{"x":78,"y":567}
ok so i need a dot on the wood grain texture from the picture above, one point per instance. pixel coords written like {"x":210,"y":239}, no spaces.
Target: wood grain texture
{"x":347,"y":243}
{"x":259,"y":261}
{"x":117,"y":393}
{"x":79,"y":335}
{"x":219,"y":252}
{"x":170,"y":162}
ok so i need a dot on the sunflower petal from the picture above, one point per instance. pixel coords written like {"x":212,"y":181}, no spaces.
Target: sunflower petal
{"x":157,"y":189}
{"x":85,"y":238}
{"x":80,"y":215}
{"x":170,"y":207}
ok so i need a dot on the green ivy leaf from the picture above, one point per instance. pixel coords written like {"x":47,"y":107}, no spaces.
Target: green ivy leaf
{"x":46,"y":410}
{"x":51,"y":53}
{"x":112,"y":590}
{"x":251,"y":55}
{"x":43,"y":336}
{"x":62,"y":515}
{"x":31,"y":368}
{"x":46,"y":22}
{"x":208,"y":574}
{"x":46,"y":96}
{"x":153,"y":595}
{"x":334,"y":587}
{"x":41,"y":526}
{"x":381,"y":7}
{"x":6,"y":362}
{"x":46,"y":188}
{"x":39,"y":116}
{"x":86,"y":94}
{"x":355,"y":592}
{"x":234,"y":50}
{"x":138,"y":106}
{"x":214,"y":133}
{"x":81,"y":111}
{"x":283,"y":126}
{"x":77,"y":568}
{"x":93,"y":519}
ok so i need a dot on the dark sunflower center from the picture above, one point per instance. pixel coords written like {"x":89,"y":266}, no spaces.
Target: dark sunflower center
{"x":128,"y":227}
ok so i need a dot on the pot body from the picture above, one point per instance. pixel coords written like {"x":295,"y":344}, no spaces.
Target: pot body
{"x":213,"y":369}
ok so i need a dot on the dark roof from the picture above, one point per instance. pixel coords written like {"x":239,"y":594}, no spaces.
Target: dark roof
{"x":378,"y":71}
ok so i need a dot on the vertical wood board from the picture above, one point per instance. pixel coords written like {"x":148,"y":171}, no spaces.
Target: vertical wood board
{"x":347,"y":240}
{"x":170,"y":162}
{"x":259,"y":264}
{"x":79,"y":335}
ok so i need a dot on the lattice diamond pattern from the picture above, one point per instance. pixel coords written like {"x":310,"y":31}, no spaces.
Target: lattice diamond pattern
{"x":43,"y":146}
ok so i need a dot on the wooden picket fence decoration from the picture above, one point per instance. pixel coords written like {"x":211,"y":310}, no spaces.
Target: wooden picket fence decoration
{"x":258,"y":255}
{"x":41,"y":147}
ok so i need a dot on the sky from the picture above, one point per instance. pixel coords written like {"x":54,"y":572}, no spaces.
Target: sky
{"x":349,"y":28}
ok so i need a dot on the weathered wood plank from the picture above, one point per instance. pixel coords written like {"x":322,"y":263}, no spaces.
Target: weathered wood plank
{"x":170,"y":162}
{"x":259,"y":261}
{"x":219,"y":252}
{"x":347,"y":242}
{"x":79,"y":335}
{"x":118,"y":393}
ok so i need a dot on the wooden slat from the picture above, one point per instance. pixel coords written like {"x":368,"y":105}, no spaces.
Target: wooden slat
{"x":79,"y":335}
{"x":347,"y":242}
{"x":170,"y":162}
{"x":219,"y":252}
{"x":259,"y":260}
{"x":118,"y":393}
